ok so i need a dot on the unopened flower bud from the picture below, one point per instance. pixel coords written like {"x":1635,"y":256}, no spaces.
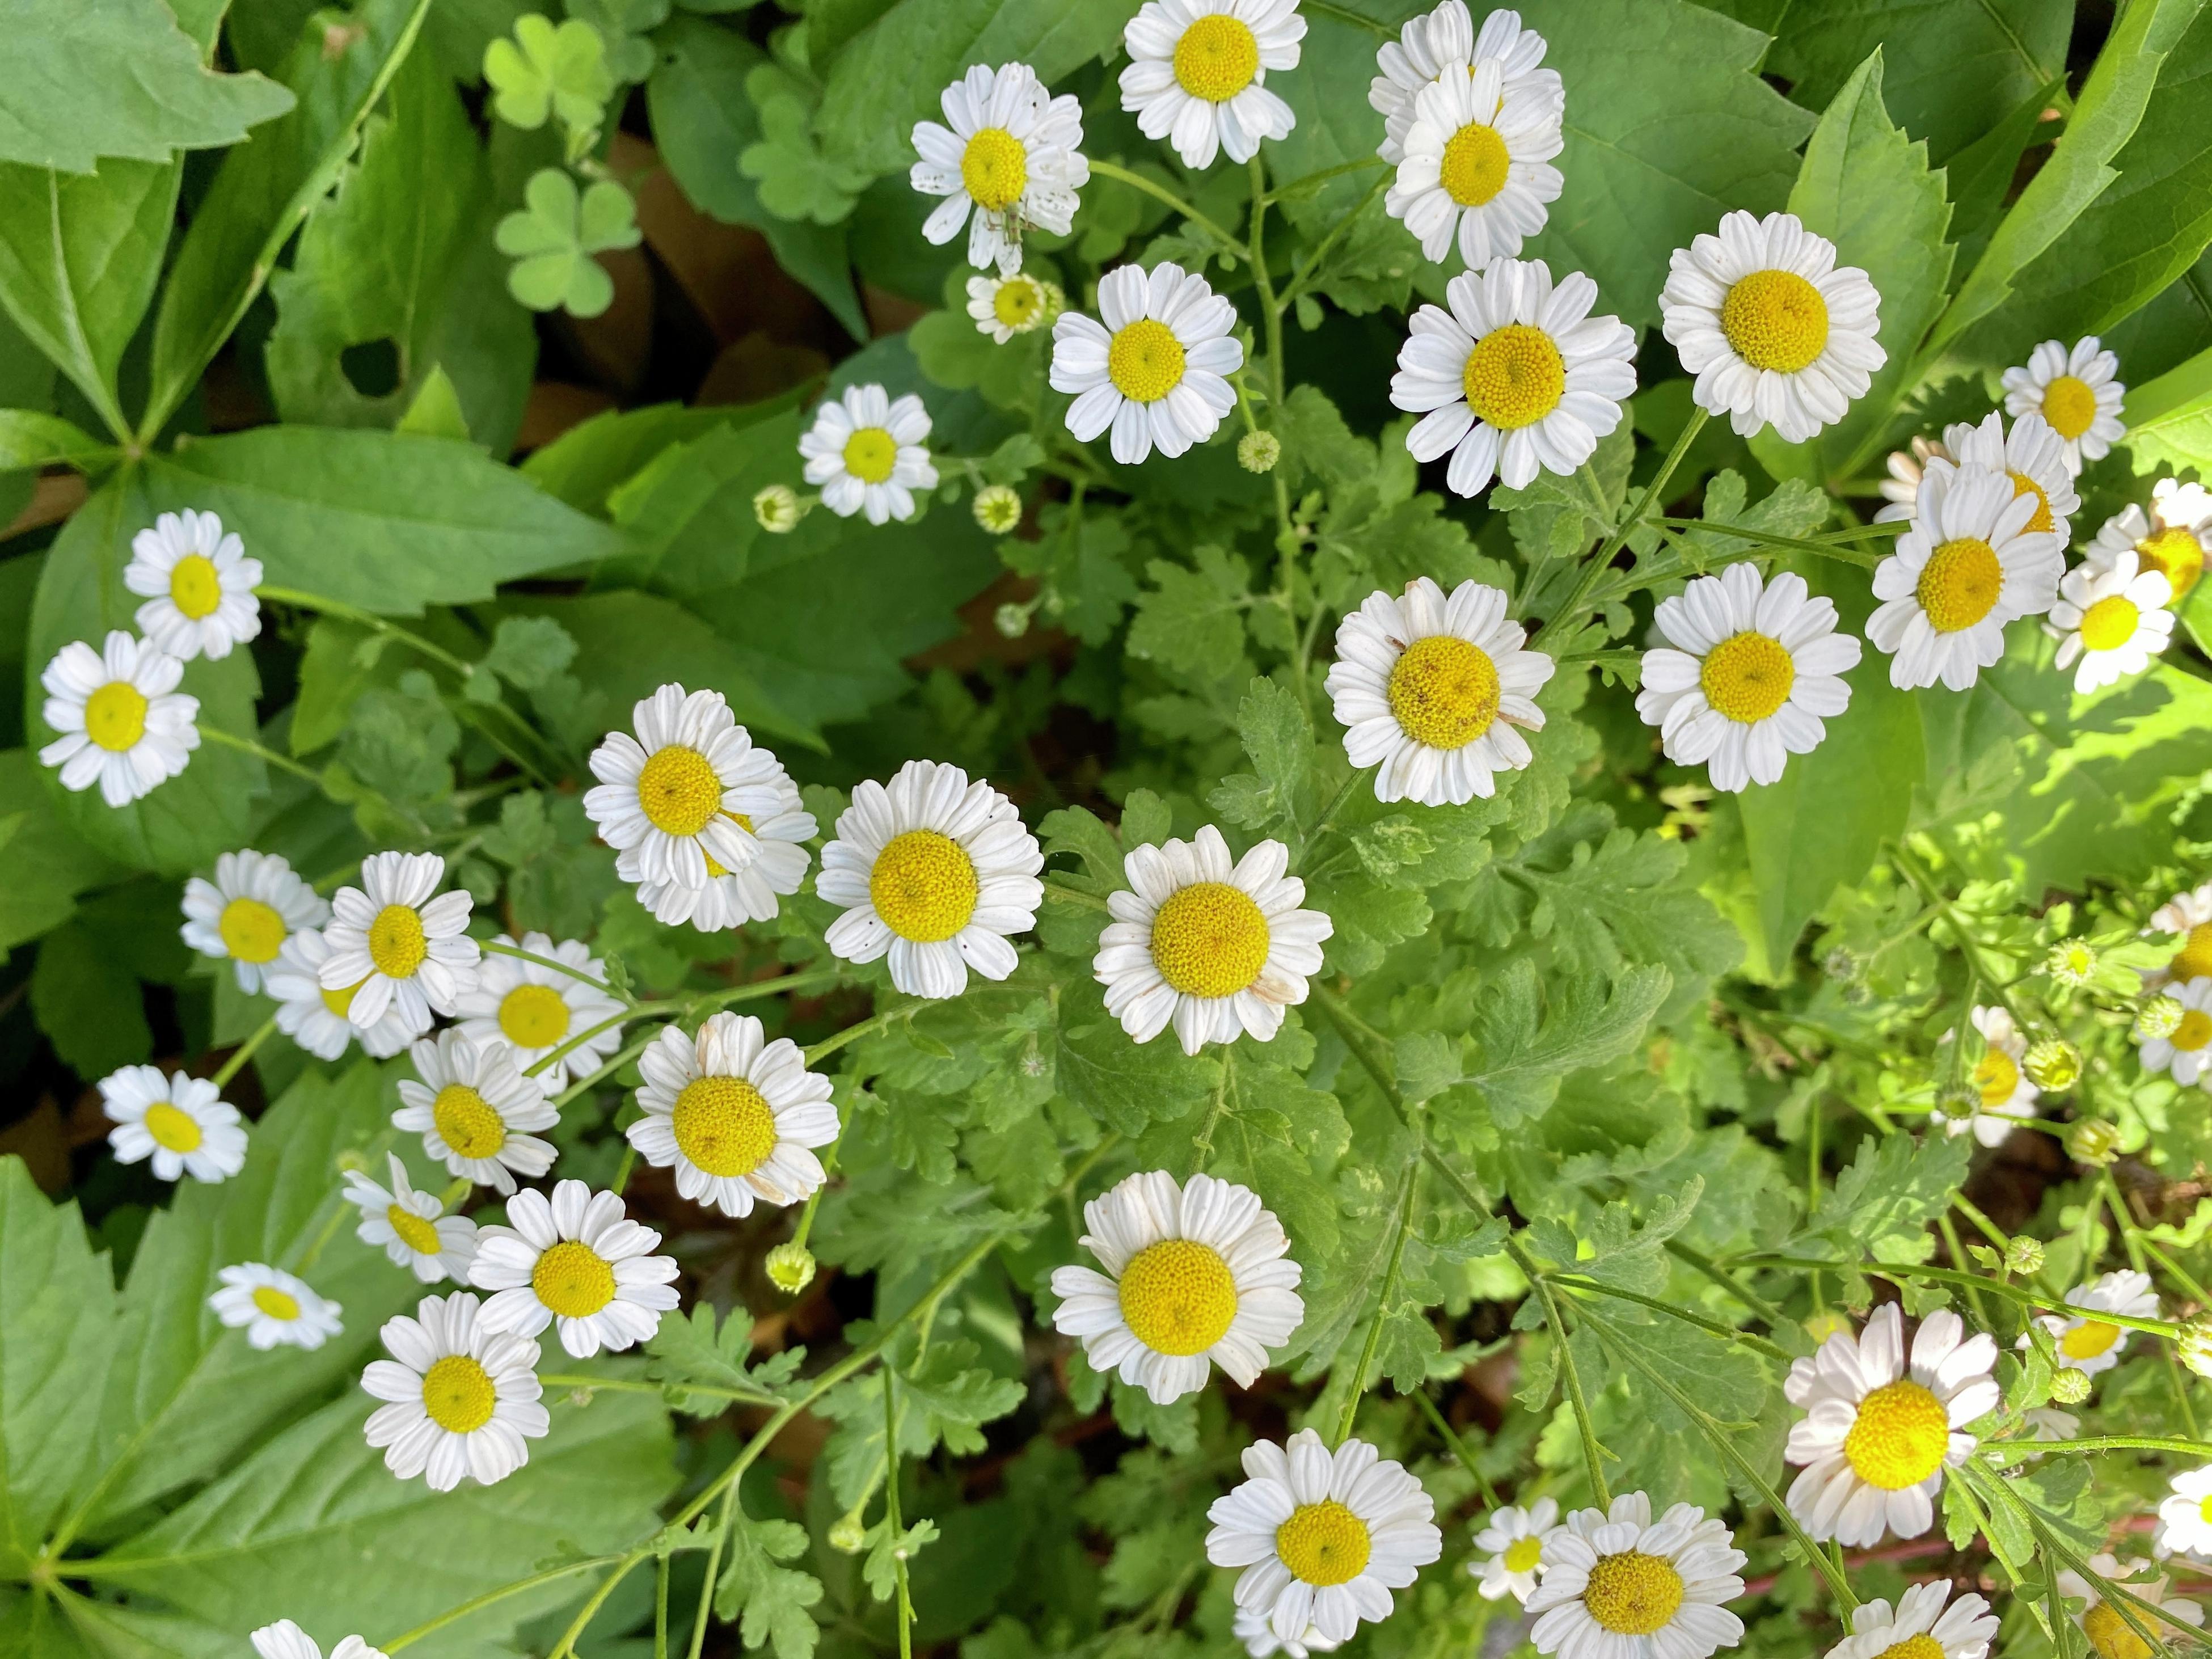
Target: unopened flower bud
{"x":2196,"y":1346}
{"x":2024,"y":1255}
{"x":2158,"y":1017}
{"x":1258,"y":451}
{"x":1841,"y":964}
{"x":848,"y":1535}
{"x":997,"y":509}
{"x":2051,"y":1063}
{"x":2071,"y":1387}
{"x":778,"y":509}
{"x":2072,"y":962}
{"x":1829,"y":1321}
{"x":791,"y":1267}
{"x":1012,"y":620}
{"x":2093,"y":1140}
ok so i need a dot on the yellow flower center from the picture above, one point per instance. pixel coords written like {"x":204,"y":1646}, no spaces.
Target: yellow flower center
{"x":1960,"y":584}
{"x":1146,"y":361}
{"x":2194,"y":959}
{"x":1632,"y":1594}
{"x":1323,"y":1544}
{"x":417,"y":1232}
{"x":1178,"y":1297}
{"x":1209,"y":940}
{"x":2176,"y":554}
{"x":994,"y":169}
{"x":2110,"y":623}
{"x":341,"y":1002}
{"x":252,"y":931}
{"x":678,"y":791}
{"x":2194,"y":1031}
{"x":923,"y":886}
{"x":871,"y":455}
{"x":2109,"y":1634}
{"x":277,"y":1304}
{"x":2204,"y":1510}
{"x":396,"y":943}
{"x":1996,"y":1077}
{"x":2089,"y":1339}
{"x":1747,"y":676}
{"x":1922,"y":1646}
{"x":724,"y":1125}
{"x":1514,"y":377}
{"x":534,"y":1017}
{"x":1474,"y":165}
{"x":458,"y":1394}
{"x":1216,"y":58}
{"x":1776,"y":319}
{"x":172,"y":1127}
{"x":194,"y":588}
{"x":1017,"y":302}
{"x":115,"y":716}
{"x":1522,"y":1554}
{"x":2070,"y":405}
{"x":467,"y":1123}
{"x":572,"y":1280}
{"x":1443,"y":691}
{"x":1901,"y":1437}
{"x":2044,"y":518}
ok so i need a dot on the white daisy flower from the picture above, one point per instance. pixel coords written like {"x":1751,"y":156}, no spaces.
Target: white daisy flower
{"x":181,"y":1122}
{"x":411,"y":1226}
{"x":1196,"y":1274}
{"x":286,"y":1640}
{"x":2077,"y":392}
{"x":1003,"y":307}
{"x":1901,"y":488}
{"x":2171,"y":538}
{"x":200,"y":585}
{"x":1776,"y":332}
{"x":2189,"y":916}
{"x":2111,"y":1636}
{"x":2185,"y":1051}
{"x":1198,"y":70}
{"x":2184,"y":1515}
{"x":779,"y":827}
{"x":1155,"y":372}
{"x":274,"y":1308}
{"x":2046,"y":1423}
{"x":1435,"y":690}
{"x":1922,"y":1627}
{"x":1512,"y":1542}
{"x":1012,"y":156}
{"x":124,"y":724}
{"x":1215,"y":948}
{"x":1749,"y":675}
{"x":2091,"y":1345}
{"x":2113,"y":619}
{"x":869,"y":453}
{"x":316,"y":1018}
{"x":1323,"y":1537}
{"x":737,"y":1117}
{"x":392,"y":945}
{"x":1878,"y":1432}
{"x":1447,"y":38}
{"x":537,"y":1011}
{"x":473,"y":1111}
{"x":1250,"y":1626}
{"x":1514,"y":377}
{"x":460,"y":1400}
{"x":935,"y":872}
{"x":2007,"y":1094}
{"x":1478,"y":166}
{"x":245,"y":913}
{"x":2030,"y":455}
{"x":1616,"y":1586}
{"x":578,"y":1263}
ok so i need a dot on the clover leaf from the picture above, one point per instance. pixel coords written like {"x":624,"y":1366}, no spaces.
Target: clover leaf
{"x":547,"y":70}
{"x":796,"y":179}
{"x":622,"y":26}
{"x":553,"y":238}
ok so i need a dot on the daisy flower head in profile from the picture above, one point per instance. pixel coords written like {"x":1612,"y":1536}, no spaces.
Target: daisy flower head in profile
{"x":1776,"y":333}
{"x":1004,"y":307}
{"x":199,"y":585}
{"x":2188,"y":916}
{"x":2110,"y":1636}
{"x":1880,"y":1428}
{"x":123,"y":723}
{"x":2004,"y":1094}
{"x":411,"y":1226}
{"x":2091,"y":1345}
{"x":1436,"y":690}
{"x":1749,"y":675}
{"x":1617,"y":1585}
{"x":474,"y":1111}
{"x":869,"y":452}
{"x":275,"y":1309}
{"x":245,"y":913}
{"x":1250,"y":1626}
{"x":737,"y":1117}
{"x":2184,"y":1515}
{"x":1478,"y":166}
{"x":2077,"y":390}
{"x":2110,"y":620}
{"x":2030,"y":454}
{"x":316,"y":1018}
{"x":1322,"y":1537}
{"x":1215,"y":947}
{"x":1447,"y":38}
{"x":1153,"y":369}
{"x":577,"y":1262}
{"x":1926,"y":1623}
{"x":1900,"y":490}
{"x":1197,"y":1275}
{"x":1198,"y":70}
{"x":936,"y":873}
{"x":2187,"y":1048}
{"x":182,"y":1123}
{"x":778,"y":826}
{"x":396,"y":942}
{"x":2171,"y":538}
{"x":1010,"y":156}
{"x":538,"y":1010}
{"x":678,"y":801}
{"x":1514,"y":377}
{"x":286,"y":1640}
{"x":460,"y":1401}
{"x":1512,"y":1542}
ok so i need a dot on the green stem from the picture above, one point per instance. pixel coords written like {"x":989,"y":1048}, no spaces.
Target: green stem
{"x":268,"y":757}
{"x":1382,"y":1301}
{"x":1271,"y":308}
{"x":1456,"y":1446}
{"x":1284,"y":192}
{"x":1599,"y":564}
{"x":882,"y":1022}
{"x":1866,"y":560}
{"x":1713,"y":1327}
{"x":1593,"y":1455}
{"x":1775,"y":1318}
{"x":231,"y":1067}
{"x":1160,"y":192}
{"x":1201,"y":1144}
{"x":338,"y":608}
{"x":632,"y":1385}
{"x":714,"y":1571}
{"x":555,"y":1056}
{"x":493,"y":1598}
{"x":493,"y":947}
{"x":660,"y":1608}
{"x":891,"y":1510}
{"x":622,"y":1058}
{"x":1074,"y":896}
{"x":1307,"y":266}
{"x":1969,"y":947}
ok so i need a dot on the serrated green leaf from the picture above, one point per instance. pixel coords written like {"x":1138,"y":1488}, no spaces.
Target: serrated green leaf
{"x":1525,"y":1048}
{"x":1882,"y":1204}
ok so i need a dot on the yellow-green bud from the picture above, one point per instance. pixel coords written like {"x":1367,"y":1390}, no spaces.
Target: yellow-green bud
{"x":353,"y":1160}
{"x":997,"y":509}
{"x":1012,"y":620}
{"x":2072,"y":961}
{"x":2051,"y":1063}
{"x":1829,"y":1321}
{"x":2158,"y":1017}
{"x":791,"y":1267}
{"x":2093,"y":1140}
{"x":778,"y":509}
{"x":849,"y":1533}
{"x":2024,"y":1255}
{"x":2071,"y":1387}
{"x":2196,"y":1346}
{"x":1258,"y":451}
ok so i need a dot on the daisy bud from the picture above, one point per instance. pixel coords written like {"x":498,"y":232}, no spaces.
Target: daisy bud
{"x":2093,"y":1140}
{"x":2196,"y":1346}
{"x":2024,"y":1255}
{"x":778,"y":509}
{"x":1013,"y":620}
{"x":791,"y":1267}
{"x":2071,"y":1387}
{"x":2158,"y":1017}
{"x":849,"y":1535}
{"x":997,"y":509}
{"x":1829,"y":1321}
{"x":1258,"y":451}
{"x":2072,"y":962}
{"x":1841,"y":964}
{"x":2052,"y":1063}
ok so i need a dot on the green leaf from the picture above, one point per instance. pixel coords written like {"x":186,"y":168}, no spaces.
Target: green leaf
{"x":1726,"y":1380}
{"x":47,"y":866}
{"x":1082,"y":561}
{"x":1526,"y":1049}
{"x":771,"y":1600}
{"x":1277,"y":795}
{"x":552,"y":239}
{"x":547,"y":70}
{"x":687,"y":1349}
{"x":585,"y":465}
{"x":1881,"y":1206}
{"x":1192,"y":621}
{"x":1123,"y":1084}
{"x":2170,"y":420}
{"x":89,"y":1003}
{"x":888,"y":1549}
{"x":622,"y":25}
{"x":29,"y":438}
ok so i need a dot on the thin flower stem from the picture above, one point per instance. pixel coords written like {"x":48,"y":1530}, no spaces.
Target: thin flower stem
{"x":338,"y":608}
{"x":891,"y":1510}
{"x":1603,"y":559}
{"x":2177,"y":1272}
{"x":620,"y":1060}
{"x":495,"y":948}
{"x":660,"y":1609}
{"x":1864,"y":559}
{"x":2014,"y":1293}
{"x":231,"y":1067}
{"x":1201,"y":1144}
{"x":1382,"y":1301}
{"x":555,"y":1056}
{"x":882,"y":1022}
{"x":1307,"y":266}
{"x":632,"y":1385}
{"x":493,"y":1598}
{"x":1593,"y":1453}
{"x":1713,"y":1326}
{"x":1053,"y":890}
{"x":268,"y":757}
{"x":623,"y":1170}
{"x":1456,"y":1446}
{"x":1160,"y":192}
{"x":706,"y":1584}
{"x":1284,"y":192}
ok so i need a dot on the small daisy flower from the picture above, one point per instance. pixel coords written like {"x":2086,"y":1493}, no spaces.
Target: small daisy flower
{"x":124,"y":724}
{"x":1618,"y":1586}
{"x":200,"y":585}
{"x":2184,"y":1051}
{"x":2007,"y":1094}
{"x":2092,"y":1345}
{"x":2185,"y":1516}
{"x":1922,"y":1627}
{"x":1215,"y":948}
{"x":2047,"y":1423}
{"x":936,"y":873}
{"x":1878,"y":1431}
{"x":286,"y":1640}
{"x":460,"y":1400}
{"x":2114,"y":620}
{"x":1516,"y":378}
{"x":1901,"y":488}
{"x":1198,"y":70}
{"x":1478,"y":166}
{"x":576,"y":1261}
{"x":1435,"y":690}
{"x":1776,"y":332}
{"x":316,"y":1018}
{"x":473,"y":1111}
{"x":392,"y":945}
{"x":537,"y":1011}
{"x":2077,"y":392}
{"x":245,"y":913}
{"x":181,"y":1122}
{"x":1512,"y":1540}
{"x":2171,"y":538}
{"x":274,"y":1308}
{"x":412,"y":1227}
{"x":2110,"y":1636}
{"x":1250,"y":1626}
{"x":1196,"y":1275}
{"x":2189,"y":916}
{"x":1155,"y":370}
{"x":1749,"y":675}
{"x":1323,"y":1537}
{"x":1003,"y":307}
{"x":779,"y":828}
{"x":737,"y":1117}
{"x":2030,"y":455}
{"x":1011,"y":156}
{"x":1447,"y":38}
{"x":869,"y":452}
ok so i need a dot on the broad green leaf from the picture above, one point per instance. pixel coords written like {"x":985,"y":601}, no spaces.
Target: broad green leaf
{"x":1125,"y":1084}
{"x":1881,"y":1205}
{"x":47,"y":865}
{"x":769,"y":1601}
{"x":1726,"y":1381}
{"x":689,"y":514}
{"x":2170,"y":420}
{"x":1192,"y":621}
{"x":585,"y":465}
{"x":88,"y":1004}
{"x":29,"y":438}
{"x":1525,"y":1047}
